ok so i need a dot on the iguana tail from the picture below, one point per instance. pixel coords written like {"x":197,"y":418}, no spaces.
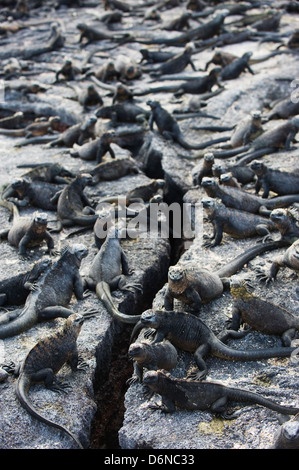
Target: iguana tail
{"x":22,"y":387}
{"x":104,"y":294}
{"x":237,"y":263}
{"x":251,"y":397}
{"x":10,"y":206}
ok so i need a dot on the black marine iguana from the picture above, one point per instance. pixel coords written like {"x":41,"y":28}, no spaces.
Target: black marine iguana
{"x":52,"y":292}
{"x":290,"y":259}
{"x":279,"y":181}
{"x":202,"y":395}
{"x":25,"y":192}
{"x":43,"y":362}
{"x":169,"y":128}
{"x":261,"y":315}
{"x":188,"y":333}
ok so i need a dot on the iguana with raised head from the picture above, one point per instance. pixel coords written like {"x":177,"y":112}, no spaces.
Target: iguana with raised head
{"x":150,"y":356}
{"x":188,"y":333}
{"x":43,"y":362}
{"x":288,"y":435}
{"x":275,"y":180}
{"x":261,"y":315}
{"x":243,"y":200}
{"x":26,"y":232}
{"x":203,"y":395}
{"x":236,"y":223}
{"x":32,"y":193}
{"x":195,"y":285}
{"x":287,"y":223}
{"x":289,"y":259}
{"x":108,"y":272}
{"x":73,"y":206}
{"x":51,"y":294}
{"x":236,"y":67}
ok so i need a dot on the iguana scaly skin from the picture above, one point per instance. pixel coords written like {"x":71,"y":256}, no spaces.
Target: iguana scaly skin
{"x":243,"y":200}
{"x":287,"y":224}
{"x":52,"y":292}
{"x":288,"y":435}
{"x":236,"y":67}
{"x":261,"y":315}
{"x":156,"y":356}
{"x":15,"y":289}
{"x":26,"y":232}
{"x":237,"y":224}
{"x":278,"y":181}
{"x":49,"y":172}
{"x":108,"y":272}
{"x":33,"y":193}
{"x":290,"y":259}
{"x":211,"y":396}
{"x":43,"y":362}
{"x":188,"y":333}
{"x":195,"y":285}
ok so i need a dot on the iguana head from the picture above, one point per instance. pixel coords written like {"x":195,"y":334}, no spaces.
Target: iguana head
{"x":149,"y":318}
{"x":40,"y":222}
{"x":152,"y":378}
{"x":79,"y":250}
{"x":258,"y":167}
{"x":177,"y":279}
{"x":75,"y":322}
{"x":209,"y":205}
{"x":138,"y":351}
{"x":238,"y":289}
{"x":210,"y":185}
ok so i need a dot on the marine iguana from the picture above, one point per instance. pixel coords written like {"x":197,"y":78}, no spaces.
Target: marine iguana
{"x":149,"y":356}
{"x":198,"y":85}
{"x":236,"y":67}
{"x":38,"y":127}
{"x":114,"y":169}
{"x":26,"y":232}
{"x":87,"y":97}
{"x":15,"y":289}
{"x":119,"y":113}
{"x":77,"y":133}
{"x":288,"y":435}
{"x":92,"y":34}
{"x":52,"y":292}
{"x":202,"y":395}
{"x":227,"y":179}
{"x":142,"y":193}
{"x":204,"y":168}
{"x":261,"y":315}
{"x":176,"y":64}
{"x":108,"y":272}
{"x":49,"y":172}
{"x":169,"y":128}
{"x":279,"y":181}
{"x":96,"y":149}
{"x":283,"y":109}
{"x":188,"y":333}
{"x":42,"y":363}
{"x":246,"y":131}
{"x":290,"y":259}
{"x":236,"y":223}
{"x":243,"y":200}
{"x":242,"y":173}
{"x":32,"y":193}
{"x":194,"y":285}
{"x":287,"y":224}
{"x":153,"y":56}
{"x":73,"y":206}
{"x":11,"y":122}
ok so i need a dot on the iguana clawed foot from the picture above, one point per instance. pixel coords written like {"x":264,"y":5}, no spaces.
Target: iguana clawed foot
{"x":60,"y":387}
{"x":263,"y":277}
{"x":196,"y":374}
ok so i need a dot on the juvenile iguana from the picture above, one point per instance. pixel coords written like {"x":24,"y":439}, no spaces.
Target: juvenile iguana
{"x":188,"y":333}
{"x":43,"y":362}
{"x":261,"y":315}
{"x":52,"y":292}
{"x":108,"y":272}
{"x":212,"y":396}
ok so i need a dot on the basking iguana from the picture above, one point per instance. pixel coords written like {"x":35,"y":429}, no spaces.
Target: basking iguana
{"x":108,"y":272}
{"x":211,"y":396}
{"x":43,"y":362}
{"x":188,"y":333}
{"x":50,"y":295}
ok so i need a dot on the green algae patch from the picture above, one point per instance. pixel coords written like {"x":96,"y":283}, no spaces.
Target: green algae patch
{"x":215,"y":426}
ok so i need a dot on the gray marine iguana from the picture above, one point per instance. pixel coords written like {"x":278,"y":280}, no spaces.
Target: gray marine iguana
{"x":203,"y":395}
{"x":240,"y":199}
{"x":26,"y":232}
{"x":289,"y":259}
{"x":188,"y":333}
{"x":50,"y":295}
{"x":195,"y":285}
{"x":150,"y":356}
{"x":279,"y":181}
{"x":42,"y":363}
{"x":261,"y":315}
{"x":108,"y":272}
{"x":287,"y":436}
{"x":73,"y":207}
{"x":236,"y":223}
{"x":25,"y":192}
{"x":49,"y":172}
